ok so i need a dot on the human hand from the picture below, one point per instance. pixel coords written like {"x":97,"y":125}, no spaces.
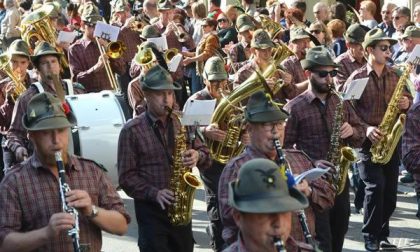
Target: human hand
{"x":346,"y":130}
{"x":21,"y":154}
{"x":403,"y":103}
{"x":374,"y":134}
{"x":81,"y":200}
{"x":214,"y":133}
{"x":58,"y":223}
{"x":304,"y":188}
{"x":165,"y":197}
{"x":190,"y":158}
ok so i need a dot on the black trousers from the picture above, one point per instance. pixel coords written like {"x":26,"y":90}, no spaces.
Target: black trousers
{"x":331,"y":226}
{"x":380,"y":195}
{"x":210,"y":178}
{"x":157,"y":234}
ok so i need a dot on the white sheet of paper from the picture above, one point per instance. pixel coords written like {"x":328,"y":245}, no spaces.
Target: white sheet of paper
{"x":67,"y":37}
{"x":198,"y":112}
{"x":414,"y":54}
{"x":160,"y":42}
{"x":355,"y":89}
{"x":106,"y":31}
{"x":311,"y":174}
{"x":174,"y":63}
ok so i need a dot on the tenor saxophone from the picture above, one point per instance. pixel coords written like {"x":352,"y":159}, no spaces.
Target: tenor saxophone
{"x":392,"y":124}
{"x":183,"y":183}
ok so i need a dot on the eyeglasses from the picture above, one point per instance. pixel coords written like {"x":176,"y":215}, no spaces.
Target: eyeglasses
{"x":385,"y":12}
{"x":269,"y":126}
{"x":384,"y":48}
{"x":222,"y":20}
{"x":324,"y":74}
{"x":90,"y":25}
{"x":316,"y":31}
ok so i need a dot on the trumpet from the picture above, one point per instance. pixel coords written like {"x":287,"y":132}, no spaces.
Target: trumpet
{"x":180,"y":33}
{"x":169,"y":54}
{"x":5,"y":67}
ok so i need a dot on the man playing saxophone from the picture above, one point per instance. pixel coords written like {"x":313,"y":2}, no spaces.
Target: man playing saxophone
{"x":310,"y":128}
{"x":146,"y":164}
{"x":380,"y":179}
{"x":265,"y":122}
{"x":32,"y":217}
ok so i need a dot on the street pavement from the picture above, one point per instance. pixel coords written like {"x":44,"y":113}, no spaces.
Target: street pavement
{"x":405,"y":227}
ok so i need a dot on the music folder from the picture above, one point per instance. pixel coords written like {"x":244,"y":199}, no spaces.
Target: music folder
{"x":198,"y":112}
{"x":106,"y":31}
{"x":355,"y":89}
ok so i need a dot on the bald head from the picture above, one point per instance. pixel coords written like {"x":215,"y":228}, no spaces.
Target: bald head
{"x":321,"y":12}
{"x":386,"y":12}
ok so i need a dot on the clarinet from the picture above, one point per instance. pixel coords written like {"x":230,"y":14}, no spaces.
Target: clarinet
{"x":301,"y":213}
{"x":278,"y":243}
{"x":64,"y":188}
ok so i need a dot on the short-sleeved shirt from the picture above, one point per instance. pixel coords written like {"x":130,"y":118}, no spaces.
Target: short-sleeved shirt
{"x":29,"y":196}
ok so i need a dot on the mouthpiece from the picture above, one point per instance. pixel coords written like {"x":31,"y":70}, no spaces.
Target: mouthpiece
{"x":57,"y":155}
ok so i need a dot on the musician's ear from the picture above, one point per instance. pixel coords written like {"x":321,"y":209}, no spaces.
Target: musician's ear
{"x":308,"y":74}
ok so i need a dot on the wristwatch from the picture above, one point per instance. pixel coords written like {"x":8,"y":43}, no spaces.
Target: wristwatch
{"x":94,"y":213}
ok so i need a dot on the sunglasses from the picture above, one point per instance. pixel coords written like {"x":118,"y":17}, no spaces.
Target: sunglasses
{"x":315,"y":31}
{"x":324,"y":74}
{"x":385,"y":12}
{"x":222,"y":20}
{"x":384,"y":48}
{"x":90,"y":25}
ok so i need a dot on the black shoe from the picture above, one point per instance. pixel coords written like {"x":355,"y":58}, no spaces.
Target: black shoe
{"x":408,"y":178}
{"x":386,"y":245}
{"x":371,"y":243}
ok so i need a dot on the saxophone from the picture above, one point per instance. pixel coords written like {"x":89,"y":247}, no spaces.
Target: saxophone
{"x":392,"y":125}
{"x":341,"y":156}
{"x":227,"y":113}
{"x":183,"y":183}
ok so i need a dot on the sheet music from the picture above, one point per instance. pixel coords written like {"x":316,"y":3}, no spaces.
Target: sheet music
{"x":174,"y":63}
{"x":355,"y":89}
{"x":67,"y":37}
{"x":160,"y":42}
{"x":106,"y":31}
{"x":414,"y":54}
{"x":198,"y":112}
{"x":310,"y":175}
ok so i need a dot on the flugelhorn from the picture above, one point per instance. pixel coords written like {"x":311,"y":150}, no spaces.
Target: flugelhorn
{"x":5,"y":67}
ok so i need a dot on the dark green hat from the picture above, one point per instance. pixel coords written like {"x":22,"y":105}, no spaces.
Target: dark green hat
{"x":118,"y":6}
{"x":19,"y":47}
{"x":157,"y":78}
{"x":55,"y":12}
{"x":411,"y":32}
{"x":150,"y":31}
{"x":165,"y":5}
{"x":356,"y":33}
{"x":214,"y":69}
{"x":261,"y":40}
{"x":317,"y":56}
{"x":260,"y":188}
{"x":45,"y":111}
{"x":244,"y":23}
{"x":298,"y":33}
{"x":261,"y":109}
{"x":90,"y":14}
{"x":376,"y":35}
{"x":42,"y":49}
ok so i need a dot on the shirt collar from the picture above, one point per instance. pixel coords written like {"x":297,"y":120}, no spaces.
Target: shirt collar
{"x":36,"y":163}
{"x":85,"y":42}
{"x":370,"y":69}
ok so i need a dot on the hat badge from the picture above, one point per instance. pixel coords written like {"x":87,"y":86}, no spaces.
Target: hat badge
{"x":32,"y":114}
{"x":268,"y":177}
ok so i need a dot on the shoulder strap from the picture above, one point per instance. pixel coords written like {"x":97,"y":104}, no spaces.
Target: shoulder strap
{"x":38,"y":87}
{"x":69,"y":83}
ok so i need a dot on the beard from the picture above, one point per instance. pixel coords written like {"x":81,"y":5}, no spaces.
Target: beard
{"x":321,"y":88}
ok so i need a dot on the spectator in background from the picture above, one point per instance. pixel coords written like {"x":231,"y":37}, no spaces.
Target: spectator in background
{"x":416,"y":14}
{"x":294,"y":18}
{"x":401,"y":17}
{"x":323,"y":34}
{"x":199,"y":12}
{"x":367,"y":12}
{"x":232,"y":12}
{"x":301,"y":5}
{"x":10,"y":24}
{"x":150,"y":9}
{"x":214,"y":9}
{"x":386,"y":13}
{"x":74,"y":17}
{"x":321,"y":12}
{"x":249,"y":6}
{"x":226,"y":33}
{"x":338,"y":27}
{"x":2,"y":11}
{"x":338,"y":11}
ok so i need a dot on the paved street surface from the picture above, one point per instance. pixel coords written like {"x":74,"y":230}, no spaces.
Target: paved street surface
{"x":405,"y":227}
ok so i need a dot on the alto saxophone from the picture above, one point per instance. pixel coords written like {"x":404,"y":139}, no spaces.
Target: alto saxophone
{"x":392,"y":125}
{"x":341,"y":156}
{"x":183,"y":183}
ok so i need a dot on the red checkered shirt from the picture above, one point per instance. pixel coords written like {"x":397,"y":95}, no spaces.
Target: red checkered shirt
{"x":322,"y":193}
{"x":131,"y":39}
{"x":348,"y":65}
{"x":306,"y":129}
{"x":83,"y":55}
{"x":411,"y":143}
{"x":29,"y":196}
{"x":292,"y":66}
{"x":374,"y":101}
{"x":143,"y":164}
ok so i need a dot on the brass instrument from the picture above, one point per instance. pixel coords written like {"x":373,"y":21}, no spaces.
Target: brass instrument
{"x":226,"y":112}
{"x":392,"y":125}
{"x":183,"y":183}
{"x":36,"y":26}
{"x":341,"y":156}
{"x":5,"y":67}
{"x":137,"y":26}
{"x":145,"y":58}
{"x":273,"y":28}
{"x":181,"y":35}
{"x":169,"y":54}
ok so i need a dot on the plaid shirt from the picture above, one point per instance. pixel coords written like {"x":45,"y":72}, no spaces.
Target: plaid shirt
{"x":286,"y":92}
{"x":292,"y":66}
{"x":322,"y":193}
{"x":239,"y":246}
{"x":307,"y":130}
{"x":348,"y":65}
{"x":411,"y":143}
{"x":374,"y":101}
{"x":143,"y":160}
{"x":131,"y":40}
{"x":29,"y":196}
{"x":237,"y":60}
{"x":16,"y":136}
{"x":83,"y":55}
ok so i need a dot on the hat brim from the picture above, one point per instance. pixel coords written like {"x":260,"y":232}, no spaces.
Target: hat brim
{"x":164,"y":86}
{"x":20,"y":54}
{"x":244,"y":28}
{"x":352,"y":40}
{"x":370,"y":42}
{"x":218,"y":76}
{"x":295,"y":201}
{"x":263,"y":46}
{"x":52,"y":53}
{"x":266,"y":116}
{"x":50,"y":123}
{"x":309,"y":64}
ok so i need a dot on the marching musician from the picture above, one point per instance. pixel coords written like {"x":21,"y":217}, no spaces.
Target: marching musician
{"x":263,"y":212}
{"x":353,"y":58}
{"x":146,"y":164}
{"x":380,"y":179}
{"x":87,"y":65}
{"x":310,"y":128}
{"x":265,"y":123}
{"x":261,"y":47}
{"x":25,"y":226}
{"x":46,"y":61}
{"x":19,"y":62}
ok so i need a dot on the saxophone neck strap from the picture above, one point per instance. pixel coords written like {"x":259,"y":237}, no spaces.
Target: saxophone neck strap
{"x":165,"y":144}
